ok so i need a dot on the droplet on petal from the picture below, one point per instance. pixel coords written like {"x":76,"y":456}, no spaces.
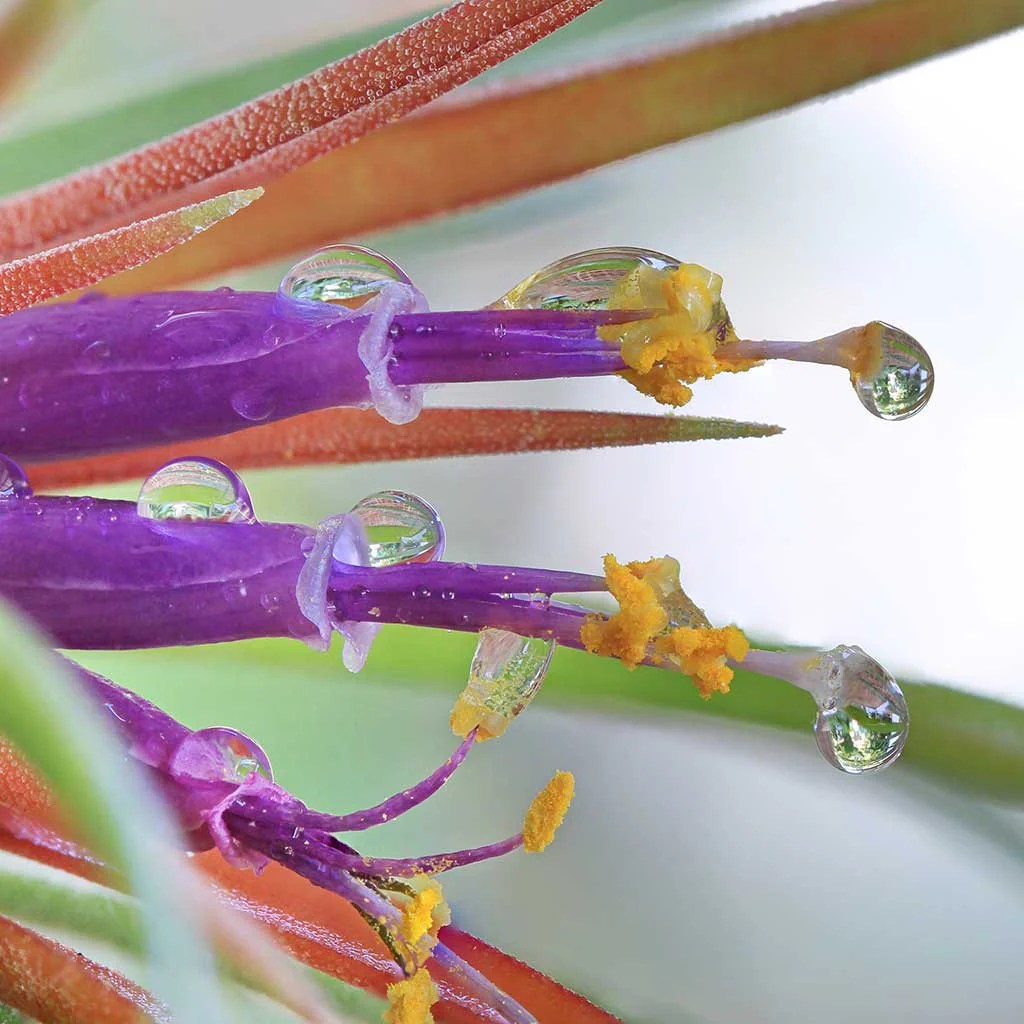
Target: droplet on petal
{"x":583,"y":281}
{"x":13,"y":481}
{"x":506,"y":673}
{"x":195,"y":488}
{"x":219,"y":755}
{"x":863,"y":720}
{"x":901,"y":377}
{"x":349,"y":275}
{"x":400,"y":528}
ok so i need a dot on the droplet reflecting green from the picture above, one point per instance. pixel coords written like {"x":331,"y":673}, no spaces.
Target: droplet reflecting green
{"x":902,"y":382}
{"x":582,"y":281}
{"x":345,"y":274}
{"x":863,"y":720}
{"x":400,"y":527}
{"x":195,"y":489}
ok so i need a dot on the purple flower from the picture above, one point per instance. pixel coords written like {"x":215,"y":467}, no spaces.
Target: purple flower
{"x":220,"y":784}
{"x":96,"y":573}
{"x":348,"y":328}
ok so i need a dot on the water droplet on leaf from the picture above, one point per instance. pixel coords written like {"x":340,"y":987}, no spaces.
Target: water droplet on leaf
{"x":583,"y":281}
{"x":901,"y":382}
{"x":195,"y":488}
{"x":346,"y":274}
{"x":862,"y":721}
{"x":400,"y":528}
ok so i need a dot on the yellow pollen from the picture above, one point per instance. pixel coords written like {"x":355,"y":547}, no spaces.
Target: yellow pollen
{"x":640,"y":618}
{"x":702,"y":653}
{"x":409,"y":1001}
{"x":677,"y":345}
{"x":547,"y":812}
{"x":467,"y":716}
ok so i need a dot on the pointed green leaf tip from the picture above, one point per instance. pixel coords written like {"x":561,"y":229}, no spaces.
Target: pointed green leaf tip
{"x":200,"y":216}
{"x":705,"y":428}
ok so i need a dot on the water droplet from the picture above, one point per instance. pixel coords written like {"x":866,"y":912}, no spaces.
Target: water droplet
{"x":13,"y":482}
{"x":219,"y":755}
{"x":345,"y":274}
{"x":903,"y":382}
{"x":583,"y":281}
{"x":95,"y":354}
{"x":255,"y":403}
{"x":505,"y":675}
{"x":400,"y":528}
{"x":195,"y":488}
{"x":863,"y":720}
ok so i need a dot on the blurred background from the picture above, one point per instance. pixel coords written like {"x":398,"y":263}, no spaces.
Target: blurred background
{"x":708,"y":871}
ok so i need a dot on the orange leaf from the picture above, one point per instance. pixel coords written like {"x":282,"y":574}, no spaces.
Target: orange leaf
{"x":56,"y":985}
{"x":492,"y":143}
{"x":288,"y":127}
{"x":355,"y":435}
{"x":79,"y":264}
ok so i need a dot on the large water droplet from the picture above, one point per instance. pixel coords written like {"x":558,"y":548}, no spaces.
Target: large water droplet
{"x":583,"y":281}
{"x":219,"y":755}
{"x":195,"y":488}
{"x":505,"y":675}
{"x":863,"y":720}
{"x":13,"y":482}
{"x":346,"y":274}
{"x":400,"y":528}
{"x":903,"y":381}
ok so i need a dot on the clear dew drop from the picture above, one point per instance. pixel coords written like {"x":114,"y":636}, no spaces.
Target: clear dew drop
{"x":219,"y":754}
{"x":400,"y":527}
{"x":863,"y":721}
{"x":195,"y":489}
{"x":13,"y":482}
{"x":349,"y":275}
{"x":583,"y":281}
{"x":506,"y":673}
{"x":904,"y":380}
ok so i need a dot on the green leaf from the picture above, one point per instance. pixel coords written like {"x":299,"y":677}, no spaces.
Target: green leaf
{"x":956,"y":739}
{"x":74,"y":751}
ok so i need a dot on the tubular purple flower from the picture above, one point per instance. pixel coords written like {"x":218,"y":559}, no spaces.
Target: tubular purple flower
{"x":348,"y":328}
{"x":96,"y":573}
{"x":220,"y":784}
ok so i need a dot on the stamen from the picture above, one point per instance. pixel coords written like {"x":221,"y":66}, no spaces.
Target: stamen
{"x":547,"y":812}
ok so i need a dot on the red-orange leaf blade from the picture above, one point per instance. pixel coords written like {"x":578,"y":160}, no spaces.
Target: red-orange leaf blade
{"x":278,"y":132}
{"x":355,"y":435}
{"x":33,"y":279}
{"x":56,"y":985}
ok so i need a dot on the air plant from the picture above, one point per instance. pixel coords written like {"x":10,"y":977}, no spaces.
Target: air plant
{"x":113,"y":384}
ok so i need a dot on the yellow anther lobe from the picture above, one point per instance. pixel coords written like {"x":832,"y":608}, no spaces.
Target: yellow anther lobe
{"x":547,"y":812}
{"x":677,"y":345}
{"x":409,"y":1001}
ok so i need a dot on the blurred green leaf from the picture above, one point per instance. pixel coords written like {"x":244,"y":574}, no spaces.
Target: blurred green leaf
{"x":72,"y":749}
{"x":956,"y":739}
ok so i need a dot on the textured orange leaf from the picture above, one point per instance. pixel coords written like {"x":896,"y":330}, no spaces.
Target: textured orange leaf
{"x":56,"y":985}
{"x":355,"y":435}
{"x":33,"y":279}
{"x":288,"y":127}
{"x":491,"y":143}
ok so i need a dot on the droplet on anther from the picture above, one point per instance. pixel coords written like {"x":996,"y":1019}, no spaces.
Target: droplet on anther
{"x":13,"y":481}
{"x":863,"y":720}
{"x":195,"y":488}
{"x":506,"y":673}
{"x":899,"y":379}
{"x":583,"y":281}
{"x":400,"y":527}
{"x":348,"y":275}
